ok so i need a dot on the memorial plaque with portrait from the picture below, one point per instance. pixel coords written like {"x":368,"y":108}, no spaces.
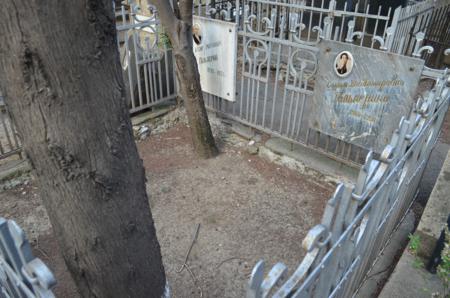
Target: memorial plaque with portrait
{"x":361,"y":94}
{"x":214,"y":45}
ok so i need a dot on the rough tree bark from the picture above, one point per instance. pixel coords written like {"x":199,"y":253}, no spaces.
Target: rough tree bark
{"x":177,"y":23}
{"x":59,"y":69}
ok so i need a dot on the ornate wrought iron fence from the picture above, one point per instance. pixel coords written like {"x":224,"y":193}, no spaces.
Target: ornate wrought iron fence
{"x":438,"y":35}
{"x":278,"y":46}
{"x":277,"y":52}
{"x":226,"y":10}
{"x":409,"y":21}
{"x":275,"y":93}
{"x":430,"y":17}
{"x":359,"y":219}
{"x":146,"y":58}
{"x":21,"y":274}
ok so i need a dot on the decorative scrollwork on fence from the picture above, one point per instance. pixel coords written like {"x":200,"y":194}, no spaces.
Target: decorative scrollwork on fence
{"x":319,"y":32}
{"x":267,"y":24}
{"x":351,"y":34}
{"x":303,"y":64}
{"x":296,"y":28}
{"x":136,"y":8}
{"x":359,"y":218}
{"x":418,"y":48}
{"x":385,"y":44}
{"x":380,"y":40}
{"x":141,"y":34}
{"x":259,"y":286}
{"x":145,"y":40}
{"x":256,"y":51}
{"x":227,"y":12}
{"x":210,"y":11}
{"x":21,"y":274}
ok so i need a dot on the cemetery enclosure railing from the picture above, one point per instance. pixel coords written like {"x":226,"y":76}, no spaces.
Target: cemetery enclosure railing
{"x":146,"y":58}
{"x":148,"y":71}
{"x":275,"y":88}
{"x":432,"y":18}
{"x":359,"y":219}
{"x":278,"y":62}
{"x":21,"y":274}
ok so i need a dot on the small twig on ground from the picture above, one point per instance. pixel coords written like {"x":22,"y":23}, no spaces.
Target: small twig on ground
{"x":185,"y":265}
{"x":194,"y":278}
{"x":229,"y":259}
{"x":189,"y":250}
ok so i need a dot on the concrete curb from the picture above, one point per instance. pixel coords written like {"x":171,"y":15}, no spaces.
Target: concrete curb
{"x":434,"y":217}
{"x":308,"y":160}
{"x":409,"y":280}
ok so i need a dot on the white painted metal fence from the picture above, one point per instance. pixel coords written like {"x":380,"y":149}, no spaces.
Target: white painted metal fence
{"x":278,"y":61}
{"x":146,"y":57}
{"x":276,"y":86}
{"x":432,"y":18}
{"x":21,"y":274}
{"x":359,"y":219}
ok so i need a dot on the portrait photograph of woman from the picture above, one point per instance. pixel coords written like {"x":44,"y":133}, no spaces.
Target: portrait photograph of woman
{"x":196,"y":34}
{"x":343,"y":64}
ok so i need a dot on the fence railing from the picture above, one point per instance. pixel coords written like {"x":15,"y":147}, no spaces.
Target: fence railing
{"x":225,"y":10}
{"x":285,"y":35}
{"x":270,"y":99}
{"x":146,"y":58}
{"x":430,"y":17}
{"x":21,"y":274}
{"x":149,"y":73}
{"x":359,"y":219}
{"x":438,"y":35}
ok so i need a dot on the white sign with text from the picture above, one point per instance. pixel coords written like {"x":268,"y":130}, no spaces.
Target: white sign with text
{"x":215,"y":50}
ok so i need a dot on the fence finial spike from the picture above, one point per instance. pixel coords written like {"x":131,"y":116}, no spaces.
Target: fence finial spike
{"x":256,"y":279}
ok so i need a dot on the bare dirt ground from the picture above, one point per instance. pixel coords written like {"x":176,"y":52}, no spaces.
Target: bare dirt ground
{"x":247,"y":208}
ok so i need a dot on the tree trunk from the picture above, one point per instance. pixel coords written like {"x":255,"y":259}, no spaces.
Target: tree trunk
{"x":63,"y":85}
{"x":177,"y":22}
{"x":191,"y":92}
